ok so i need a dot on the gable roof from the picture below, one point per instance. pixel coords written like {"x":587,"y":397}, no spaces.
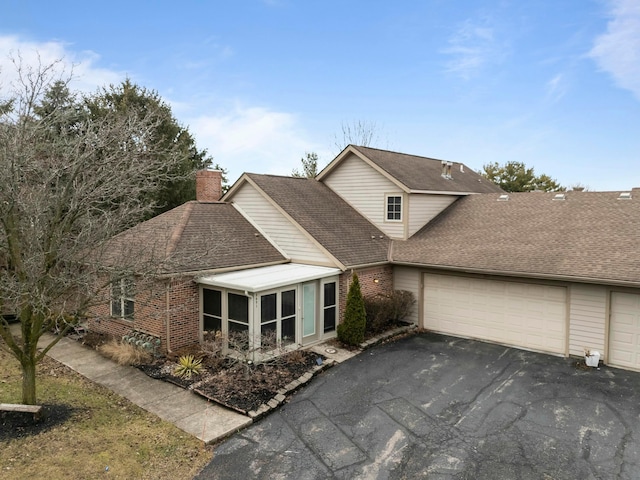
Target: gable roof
{"x":589,"y":236}
{"x":417,"y":174}
{"x":345,"y":234}
{"x":197,"y":237}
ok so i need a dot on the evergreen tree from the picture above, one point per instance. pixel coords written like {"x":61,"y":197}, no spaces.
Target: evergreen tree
{"x":351,"y":330}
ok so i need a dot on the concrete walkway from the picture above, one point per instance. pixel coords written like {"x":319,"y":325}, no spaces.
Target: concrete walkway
{"x":195,"y":415}
{"x":188,"y":411}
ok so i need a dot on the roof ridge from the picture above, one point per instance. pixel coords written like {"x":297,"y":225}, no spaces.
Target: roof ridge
{"x":179,"y":229}
{"x":406,"y":154}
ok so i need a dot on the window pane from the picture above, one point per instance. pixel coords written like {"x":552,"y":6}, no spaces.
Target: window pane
{"x":268,"y":307}
{"x":212,"y":302}
{"x":238,"y":308}
{"x":128,"y":288}
{"x":329,"y":294}
{"x":288,"y":303}
{"x":128,"y":308}
{"x":238,"y":327}
{"x":268,"y":331}
{"x":394,"y":208}
{"x":329,"y":319}
{"x":288,"y":330}
{"x":116,"y":308}
{"x":212,"y":324}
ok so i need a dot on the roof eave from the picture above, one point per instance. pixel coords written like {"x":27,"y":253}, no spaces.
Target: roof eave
{"x":539,"y":276}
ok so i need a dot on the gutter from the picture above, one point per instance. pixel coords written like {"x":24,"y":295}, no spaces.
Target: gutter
{"x":220,"y":270}
{"x":540,"y":276}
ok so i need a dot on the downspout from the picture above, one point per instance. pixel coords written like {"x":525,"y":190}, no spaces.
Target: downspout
{"x":168,"y":320}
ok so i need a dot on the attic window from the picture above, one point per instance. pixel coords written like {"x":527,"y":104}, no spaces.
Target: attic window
{"x":625,"y":196}
{"x":503,"y":198}
{"x":394,"y":208}
{"x":559,"y":196}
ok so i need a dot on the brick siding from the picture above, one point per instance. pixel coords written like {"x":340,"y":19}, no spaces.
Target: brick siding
{"x":151,"y":312}
{"x":368,"y":284}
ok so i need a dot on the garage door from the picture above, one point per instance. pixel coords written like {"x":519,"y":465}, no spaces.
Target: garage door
{"x":525,"y":315}
{"x":624,"y":331}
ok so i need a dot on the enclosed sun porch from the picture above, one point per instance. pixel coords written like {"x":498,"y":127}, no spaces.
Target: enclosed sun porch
{"x":287,"y":306}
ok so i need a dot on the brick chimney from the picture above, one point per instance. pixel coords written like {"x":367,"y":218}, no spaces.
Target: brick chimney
{"x":208,"y":185}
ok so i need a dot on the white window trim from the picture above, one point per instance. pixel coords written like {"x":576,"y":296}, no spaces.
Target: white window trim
{"x":125,"y":295}
{"x":386,"y":207}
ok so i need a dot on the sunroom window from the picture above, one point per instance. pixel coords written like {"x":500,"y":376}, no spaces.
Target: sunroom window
{"x":238,"y":313}
{"x":211,"y":310}
{"x":278,"y":317}
{"x":329,"y":307}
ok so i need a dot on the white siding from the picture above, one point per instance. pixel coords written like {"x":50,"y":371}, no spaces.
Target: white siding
{"x":365,"y":189}
{"x":406,"y":278}
{"x":286,"y":235}
{"x":424,"y":207}
{"x":587,"y":317}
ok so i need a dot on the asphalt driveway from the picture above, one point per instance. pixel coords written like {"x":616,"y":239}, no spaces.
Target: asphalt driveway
{"x":432,"y":406}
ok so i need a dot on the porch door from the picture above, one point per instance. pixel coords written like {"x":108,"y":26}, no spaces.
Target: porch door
{"x":310,"y":319}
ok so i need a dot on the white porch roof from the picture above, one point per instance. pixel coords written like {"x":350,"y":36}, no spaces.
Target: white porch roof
{"x":267,"y":278}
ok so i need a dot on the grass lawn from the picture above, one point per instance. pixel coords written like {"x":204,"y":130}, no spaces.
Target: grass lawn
{"x":100,"y":435}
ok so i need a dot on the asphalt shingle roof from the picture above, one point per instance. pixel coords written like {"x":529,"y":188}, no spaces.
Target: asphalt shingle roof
{"x":198,"y":237}
{"x":422,"y":173}
{"x":589,"y":235}
{"x":331,"y":221}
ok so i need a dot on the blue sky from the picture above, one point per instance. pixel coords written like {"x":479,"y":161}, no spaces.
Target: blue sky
{"x":553,"y":84}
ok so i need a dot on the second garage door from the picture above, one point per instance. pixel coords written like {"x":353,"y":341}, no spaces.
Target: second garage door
{"x":624,"y":330}
{"x":526,"y":315}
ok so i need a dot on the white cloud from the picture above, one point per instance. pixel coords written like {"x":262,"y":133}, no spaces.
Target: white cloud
{"x":556,"y":87}
{"x":239,"y":137}
{"x":252,"y":139}
{"x":87,"y":77}
{"x":618,"y":50}
{"x":472,"y":46}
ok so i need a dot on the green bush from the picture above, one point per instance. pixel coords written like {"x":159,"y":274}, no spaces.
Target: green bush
{"x":351,"y":330}
{"x":385,"y":311}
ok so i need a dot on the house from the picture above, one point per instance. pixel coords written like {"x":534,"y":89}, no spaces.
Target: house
{"x":551,"y":272}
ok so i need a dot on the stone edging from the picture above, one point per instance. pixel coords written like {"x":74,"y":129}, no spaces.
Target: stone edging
{"x":291,"y":387}
{"x":288,"y":389}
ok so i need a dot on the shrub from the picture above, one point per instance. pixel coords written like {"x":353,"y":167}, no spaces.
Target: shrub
{"x":351,"y":330}
{"x":188,"y":365}
{"x":124,"y":353}
{"x":384,"y":311}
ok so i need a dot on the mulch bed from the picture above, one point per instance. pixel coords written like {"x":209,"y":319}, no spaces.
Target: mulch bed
{"x":238,"y":386}
{"x":246,"y":388}
{"x":15,"y":425}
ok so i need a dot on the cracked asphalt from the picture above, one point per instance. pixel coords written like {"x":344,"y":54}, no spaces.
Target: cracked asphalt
{"x":438,"y":407}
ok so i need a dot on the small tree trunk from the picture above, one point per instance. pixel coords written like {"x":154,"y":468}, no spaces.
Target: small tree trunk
{"x":29,"y":382}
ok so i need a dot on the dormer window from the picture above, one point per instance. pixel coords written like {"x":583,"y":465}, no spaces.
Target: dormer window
{"x":394,"y":208}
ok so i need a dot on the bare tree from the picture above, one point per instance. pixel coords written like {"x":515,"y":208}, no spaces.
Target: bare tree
{"x":362,"y":133}
{"x":62,"y":197}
